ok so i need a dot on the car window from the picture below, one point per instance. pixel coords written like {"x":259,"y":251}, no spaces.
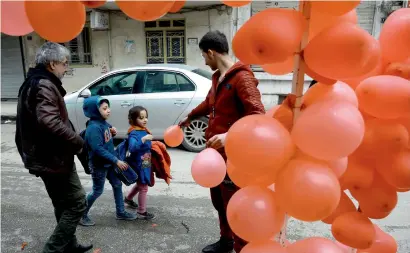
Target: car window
{"x":160,"y":81}
{"x":184,"y":84}
{"x":117,"y":84}
{"x":203,"y":73}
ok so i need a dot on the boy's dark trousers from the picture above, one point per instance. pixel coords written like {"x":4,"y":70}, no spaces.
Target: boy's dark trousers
{"x":220,"y":196}
{"x":68,"y":198}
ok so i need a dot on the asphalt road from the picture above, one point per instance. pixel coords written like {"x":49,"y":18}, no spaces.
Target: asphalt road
{"x":185,"y":223}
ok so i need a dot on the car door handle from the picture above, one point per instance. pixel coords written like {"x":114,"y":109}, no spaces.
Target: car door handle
{"x":126,"y":104}
{"x":179,"y":102}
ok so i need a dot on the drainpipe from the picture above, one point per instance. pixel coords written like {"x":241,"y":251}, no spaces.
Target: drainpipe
{"x":110,"y":63}
{"x":209,"y":20}
{"x":22,"y":56}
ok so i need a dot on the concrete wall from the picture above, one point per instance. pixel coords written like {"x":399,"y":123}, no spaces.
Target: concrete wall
{"x":108,"y":47}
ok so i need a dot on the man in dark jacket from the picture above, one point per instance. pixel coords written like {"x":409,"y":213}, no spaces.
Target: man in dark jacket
{"x":47,"y":143}
{"x":233,"y":95}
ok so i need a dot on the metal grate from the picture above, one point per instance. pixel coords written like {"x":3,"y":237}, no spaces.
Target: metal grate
{"x":155,"y":46}
{"x":80,"y":48}
{"x":165,"y":46}
{"x":175,"y":47}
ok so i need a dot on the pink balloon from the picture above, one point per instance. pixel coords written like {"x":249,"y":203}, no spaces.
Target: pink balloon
{"x":272,"y":110}
{"x":14,"y":21}
{"x":174,"y":136}
{"x":314,"y":245}
{"x":263,"y":247}
{"x":208,"y":168}
{"x":329,"y":130}
{"x":344,"y":248}
{"x":339,"y":91}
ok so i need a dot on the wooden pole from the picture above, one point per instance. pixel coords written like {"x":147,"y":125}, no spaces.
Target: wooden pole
{"x":298,"y":82}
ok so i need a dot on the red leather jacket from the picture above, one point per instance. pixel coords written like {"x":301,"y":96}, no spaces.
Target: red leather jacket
{"x":234,"y":97}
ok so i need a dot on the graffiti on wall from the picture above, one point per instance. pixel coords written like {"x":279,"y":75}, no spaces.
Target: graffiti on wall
{"x":104,"y":67}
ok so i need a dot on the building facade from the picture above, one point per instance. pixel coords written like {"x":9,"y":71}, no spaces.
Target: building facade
{"x":110,"y":40}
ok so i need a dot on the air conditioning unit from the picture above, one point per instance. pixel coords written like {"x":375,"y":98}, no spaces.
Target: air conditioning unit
{"x":99,"y":21}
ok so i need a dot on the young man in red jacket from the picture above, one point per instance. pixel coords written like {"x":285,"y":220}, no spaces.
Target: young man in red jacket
{"x":234,"y":94}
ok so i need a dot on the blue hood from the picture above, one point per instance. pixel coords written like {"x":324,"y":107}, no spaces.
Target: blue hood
{"x":91,"y":107}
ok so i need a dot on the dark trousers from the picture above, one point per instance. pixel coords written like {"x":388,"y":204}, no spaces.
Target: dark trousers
{"x":68,"y":198}
{"x":220,"y":196}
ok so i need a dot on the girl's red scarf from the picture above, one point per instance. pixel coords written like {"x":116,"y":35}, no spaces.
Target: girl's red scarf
{"x":132,"y":128}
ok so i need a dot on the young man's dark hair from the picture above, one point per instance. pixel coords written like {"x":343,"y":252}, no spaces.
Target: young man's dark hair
{"x":214,"y":40}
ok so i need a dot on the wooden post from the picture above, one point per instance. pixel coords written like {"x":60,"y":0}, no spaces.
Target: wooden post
{"x":298,"y":82}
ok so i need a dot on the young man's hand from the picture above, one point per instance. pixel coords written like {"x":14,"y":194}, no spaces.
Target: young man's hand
{"x":122,"y":165}
{"x":113,"y":131}
{"x":217,"y":141}
{"x":147,"y":137}
{"x":185,"y":122}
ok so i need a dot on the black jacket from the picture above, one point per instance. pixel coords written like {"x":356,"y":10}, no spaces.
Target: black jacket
{"x":45,"y":138}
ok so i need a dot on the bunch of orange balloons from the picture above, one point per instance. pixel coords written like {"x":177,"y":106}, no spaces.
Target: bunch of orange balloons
{"x":351,"y":135}
{"x":19,"y":18}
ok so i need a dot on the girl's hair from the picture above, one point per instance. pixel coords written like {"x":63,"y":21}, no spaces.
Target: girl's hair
{"x":134,"y":113}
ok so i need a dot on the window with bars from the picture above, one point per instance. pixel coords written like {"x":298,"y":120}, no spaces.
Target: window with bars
{"x":165,"y":41}
{"x":80,"y":48}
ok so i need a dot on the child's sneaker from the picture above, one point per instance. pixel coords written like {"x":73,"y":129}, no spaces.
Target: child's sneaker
{"x":126,"y":216}
{"x":145,"y":216}
{"x":131,"y":203}
{"x":86,"y":222}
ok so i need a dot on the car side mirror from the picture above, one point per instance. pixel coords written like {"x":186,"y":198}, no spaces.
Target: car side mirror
{"x":85,"y":93}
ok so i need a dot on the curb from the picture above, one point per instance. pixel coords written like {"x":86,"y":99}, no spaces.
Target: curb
{"x":8,"y":117}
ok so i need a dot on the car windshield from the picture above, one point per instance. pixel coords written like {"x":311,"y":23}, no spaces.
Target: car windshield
{"x":203,"y":73}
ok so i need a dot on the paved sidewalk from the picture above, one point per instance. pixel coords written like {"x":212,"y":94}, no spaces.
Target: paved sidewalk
{"x":8,"y":110}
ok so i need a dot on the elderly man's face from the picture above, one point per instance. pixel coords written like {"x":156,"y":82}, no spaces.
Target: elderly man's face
{"x":59,"y":68}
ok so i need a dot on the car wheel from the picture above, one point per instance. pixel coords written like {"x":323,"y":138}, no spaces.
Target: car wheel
{"x":194,"y":135}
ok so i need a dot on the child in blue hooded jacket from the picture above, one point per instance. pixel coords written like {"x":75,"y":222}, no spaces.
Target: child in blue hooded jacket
{"x":102,"y":158}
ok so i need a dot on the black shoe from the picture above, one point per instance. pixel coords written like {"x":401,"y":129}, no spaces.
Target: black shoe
{"x":221,"y":246}
{"x":79,"y":249}
{"x":131,"y":203}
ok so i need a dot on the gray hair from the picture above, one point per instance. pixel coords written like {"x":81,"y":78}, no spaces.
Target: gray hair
{"x":52,"y":52}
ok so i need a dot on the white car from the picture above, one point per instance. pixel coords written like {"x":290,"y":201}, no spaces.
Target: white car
{"x":168,"y":91}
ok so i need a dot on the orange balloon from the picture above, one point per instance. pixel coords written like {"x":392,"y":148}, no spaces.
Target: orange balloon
{"x":396,"y":171}
{"x":384,"y":97}
{"x":317,"y":77}
{"x":329,"y":130}
{"x":378,"y":70}
{"x":339,"y":166}
{"x":320,"y":21}
{"x":236,"y":3}
{"x":263,"y":247}
{"x":395,"y":36}
{"x":354,"y":229}
{"x":254,"y":215}
{"x":242,"y":179}
{"x":379,"y":198}
{"x":357,"y":175}
{"x":208,"y":168}
{"x":382,"y":139}
{"x":272,"y":110}
{"x":400,"y":69}
{"x":280,"y":68}
{"x":267,"y":142}
{"x":308,"y":191}
{"x":354,"y":52}
{"x":314,"y":244}
{"x":335,"y":8}
{"x":344,"y":248}
{"x":14,"y":21}
{"x":145,"y":10}
{"x":252,"y":43}
{"x":345,"y":206}
{"x":173,"y":136}
{"x":50,"y":20}
{"x":383,"y":243}
{"x":177,"y":6}
{"x":337,"y":92}
{"x":403,"y":189}
{"x":94,"y":4}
